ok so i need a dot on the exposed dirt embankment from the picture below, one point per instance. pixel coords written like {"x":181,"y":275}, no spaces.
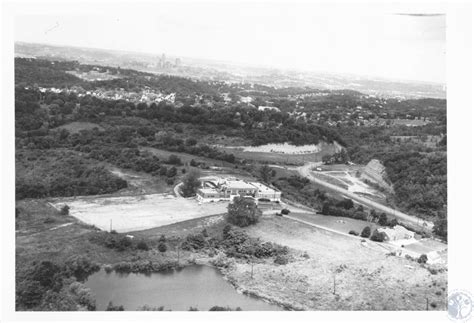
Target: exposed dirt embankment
{"x":374,"y":172}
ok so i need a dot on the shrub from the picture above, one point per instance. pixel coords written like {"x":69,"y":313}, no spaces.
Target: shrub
{"x":80,"y":267}
{"x":383,"y":220}
{"x":221,"y":308}
{"x":151,"y":308}
{"x":64,"y":210}
{"x":423,"y":259}
{"x":365,"y":233}
{"x":108,"y":269}
{"x":174,"y":160}
{"x":377,"y":236}
{"x":112,"y":307}
{"x":123,"y":267}
{"x":285,"y":211}
{"x":162,"y":247}
{"x":281,"y":260}
{"x":226,"y":230}
{"x":354,"y":233}
{"x":162,"y":238}
{"x":194,"y":242}
{"x":124,"y":243}
{"x":172,"y":172}
{"x":243,"y":212}
{"x":142,"y":245}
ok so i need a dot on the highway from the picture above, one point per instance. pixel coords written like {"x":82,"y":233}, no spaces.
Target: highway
{"x":306,"y":171}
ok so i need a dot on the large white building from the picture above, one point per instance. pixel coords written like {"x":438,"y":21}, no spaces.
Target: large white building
{"x":227,"y":189}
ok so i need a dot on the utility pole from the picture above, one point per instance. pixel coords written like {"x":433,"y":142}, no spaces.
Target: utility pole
{"x":427,"y":308}
{"x":177,"y":247}
{"x":110,"y":225}
{"x":251,"y":271}
{"x":334,"y":284}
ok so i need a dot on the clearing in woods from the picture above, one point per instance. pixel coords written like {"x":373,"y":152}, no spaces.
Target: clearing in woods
{"x":140,"y":212}
{"x":282,"y":154}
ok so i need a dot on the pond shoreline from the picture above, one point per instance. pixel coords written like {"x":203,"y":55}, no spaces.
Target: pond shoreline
{"x":226,"y":274}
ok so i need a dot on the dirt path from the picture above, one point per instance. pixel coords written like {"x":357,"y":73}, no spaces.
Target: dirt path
{"x":305,"y":171}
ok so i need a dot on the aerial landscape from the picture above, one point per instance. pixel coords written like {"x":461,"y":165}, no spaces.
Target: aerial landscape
{"x":158,"y":182}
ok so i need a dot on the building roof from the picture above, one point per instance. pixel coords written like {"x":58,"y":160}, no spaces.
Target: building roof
{"x":239,"y":185}
{"x":263,"y":188}
{"x":208,"y":191}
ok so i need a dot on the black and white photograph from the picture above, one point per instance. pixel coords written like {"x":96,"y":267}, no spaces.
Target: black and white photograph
{"x":237,"y":156}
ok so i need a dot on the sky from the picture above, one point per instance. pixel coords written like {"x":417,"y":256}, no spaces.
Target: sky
{"x":404,"y":42}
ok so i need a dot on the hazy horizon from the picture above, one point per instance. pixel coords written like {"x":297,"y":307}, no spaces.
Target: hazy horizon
{"x":303,"y":37}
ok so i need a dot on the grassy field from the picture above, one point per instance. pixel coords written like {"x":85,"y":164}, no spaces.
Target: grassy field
{"x":341,"y":224}
{"x":41,"y":234}
{"x":364,"y":274}
{"x":366,"y":278}
{"x":186,"y":158}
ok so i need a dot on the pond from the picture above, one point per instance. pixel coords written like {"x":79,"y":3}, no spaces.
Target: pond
{"x":197,"y":286}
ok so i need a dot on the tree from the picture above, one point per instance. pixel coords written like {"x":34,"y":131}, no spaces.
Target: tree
{"x":112,"y":307}
{"x":174,"y":160}
{"x":142,"y":245}
{"x":365,"y":233}
{"x":243,"y":212}
{"x":346,"y":203}
{"x":226,"y":230}
{"x":265,"y":173}
{"x":64,"y":210}
{"x":423,"y":259}
{"x":383,"y":220}
{"x":377,"y":236}
{"x":191,"y":142}
{"x":440,"y":227}
{"x":191,"y":183}
{"x":326,"y":210}
{"x":124,"y":243}
{"x":162,"y":247}
{"x":172,"y":172}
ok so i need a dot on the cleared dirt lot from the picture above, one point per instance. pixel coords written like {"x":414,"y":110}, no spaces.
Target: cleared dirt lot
{"x":133,"y":213}
{"x":281,"y":158}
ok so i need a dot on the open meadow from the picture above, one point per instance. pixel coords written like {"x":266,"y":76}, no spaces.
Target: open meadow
{"x":340,"y":273}
{"x":139,"y":212}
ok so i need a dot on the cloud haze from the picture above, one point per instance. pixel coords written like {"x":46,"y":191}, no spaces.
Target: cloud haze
{"x":304,"y":36}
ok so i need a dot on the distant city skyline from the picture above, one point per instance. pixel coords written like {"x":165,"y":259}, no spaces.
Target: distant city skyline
{"x":400,"y":44}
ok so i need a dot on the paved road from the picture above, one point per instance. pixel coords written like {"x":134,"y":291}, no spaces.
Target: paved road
{"x":305,"y":171}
